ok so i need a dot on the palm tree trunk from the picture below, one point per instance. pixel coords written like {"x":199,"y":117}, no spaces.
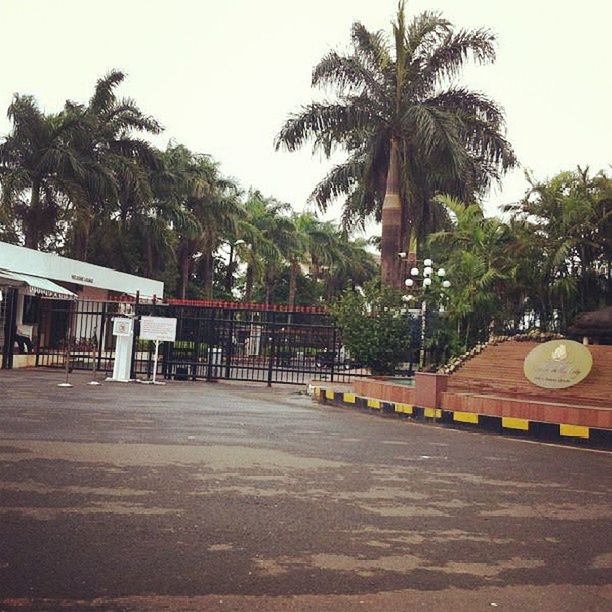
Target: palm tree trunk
{"x":184,"y":273}
{"x":149,"y":248}
{"x":82,"y":230}
{"x":268,"y":291}
{"x":248,"y":290}
{"x":391,"y":222}
{"x":34,"y":214}
{"x":293,"y":273}
{"x":208,"y":273}
{"x":229,"y":277}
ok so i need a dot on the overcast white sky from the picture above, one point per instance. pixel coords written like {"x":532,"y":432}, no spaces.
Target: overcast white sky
{"x":223,"y":75}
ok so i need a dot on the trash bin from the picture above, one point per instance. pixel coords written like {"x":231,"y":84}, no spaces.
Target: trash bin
{"x":216,"y":360}
{"x":181,"y":373}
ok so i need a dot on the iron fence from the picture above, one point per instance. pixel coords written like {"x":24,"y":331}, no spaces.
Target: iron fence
{"x":217,"y":341}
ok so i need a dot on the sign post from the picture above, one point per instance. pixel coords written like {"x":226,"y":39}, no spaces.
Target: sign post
{"x":158,"y":329}
{"x":123,"y":329}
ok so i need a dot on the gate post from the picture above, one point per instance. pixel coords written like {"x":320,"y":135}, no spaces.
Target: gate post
{"x":101,"y":338}
{"x":38,"y":326}
{"x":335,"y":353}
{"x":10,"y":329}
{"x":134,"y":338}
{"x":211,"y":336}
{"x":272,"y":350}
{"x":229,"y":346}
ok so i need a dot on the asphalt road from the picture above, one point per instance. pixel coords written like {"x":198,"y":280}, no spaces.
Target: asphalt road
{"x":229,"y":496}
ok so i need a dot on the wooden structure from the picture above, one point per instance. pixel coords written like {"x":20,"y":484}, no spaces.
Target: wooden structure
{"x":493,"y":383}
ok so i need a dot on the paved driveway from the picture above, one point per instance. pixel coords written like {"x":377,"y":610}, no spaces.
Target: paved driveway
{"x":227,"y":496}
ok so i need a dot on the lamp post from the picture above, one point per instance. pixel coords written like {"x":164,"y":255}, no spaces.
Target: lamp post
{"x":421,"y":281}
{"x":229,"y":277}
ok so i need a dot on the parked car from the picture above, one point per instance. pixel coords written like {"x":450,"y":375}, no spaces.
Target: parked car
{"x":326,"y":359}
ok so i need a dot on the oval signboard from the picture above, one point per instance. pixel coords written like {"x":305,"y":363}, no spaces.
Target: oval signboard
{"x":558,"y":364}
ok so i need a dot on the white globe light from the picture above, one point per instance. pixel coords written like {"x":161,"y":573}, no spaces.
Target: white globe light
{"x":427,"y":271}
{"x":441,"y":272}
{"x":427,"y":262}
{"x":427,"y":282}
{"x":414,"y":271}
{"x":446,"y":284}
{"x":409,"y":282}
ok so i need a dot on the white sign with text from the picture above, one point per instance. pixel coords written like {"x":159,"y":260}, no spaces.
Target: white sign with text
{"x":162,"y":329}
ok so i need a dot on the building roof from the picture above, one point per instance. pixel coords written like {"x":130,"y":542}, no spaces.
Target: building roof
{"x":595,"y":323}
{"x":63,"y":269}
{"x":35,"y":285}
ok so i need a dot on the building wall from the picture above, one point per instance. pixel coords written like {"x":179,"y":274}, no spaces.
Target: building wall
{"x":65,"y":270}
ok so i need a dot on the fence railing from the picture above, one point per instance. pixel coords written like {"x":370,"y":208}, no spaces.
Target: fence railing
{"x":215,"y":341}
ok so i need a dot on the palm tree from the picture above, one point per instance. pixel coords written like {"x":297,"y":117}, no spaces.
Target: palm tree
{"x":407,"y":136}
{"x":269,"y":236}
{"x":477,"y":253}
{"x":313,"y":243}
{"x":566,"y":227}
{"x":124,"y":161}
{"x":352,"y":266}
{"x":208,"y":205}
{"x":39,"y":166}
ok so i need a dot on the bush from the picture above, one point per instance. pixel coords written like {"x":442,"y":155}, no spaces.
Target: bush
{"x":375,"y":327}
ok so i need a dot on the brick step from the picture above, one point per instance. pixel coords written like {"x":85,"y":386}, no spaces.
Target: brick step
{"x":529,"y":409}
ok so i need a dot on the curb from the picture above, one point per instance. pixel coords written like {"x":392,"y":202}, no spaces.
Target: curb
{"x":466,"y":420}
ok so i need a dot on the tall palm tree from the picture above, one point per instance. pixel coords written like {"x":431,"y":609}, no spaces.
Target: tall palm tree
{"x":409,"y":135}
{"x":352,"y":266}
{"x":269,"y":236}
{"x":125,"y":161}
{"x":567,"y":221}
{"x":477,"y":253}
{"x":209,"y":205}
{"x":313,"y":243}
{"x":39,"y":166}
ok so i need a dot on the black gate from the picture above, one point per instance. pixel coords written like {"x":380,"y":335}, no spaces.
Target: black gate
{"x":8,"y":329}
{"x":214,"y":340}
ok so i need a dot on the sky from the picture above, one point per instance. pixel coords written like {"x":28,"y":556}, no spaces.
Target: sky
{"x":223,"y":75}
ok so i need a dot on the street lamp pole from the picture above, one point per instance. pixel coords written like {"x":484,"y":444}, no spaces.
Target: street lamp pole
{"x":426,"y":281}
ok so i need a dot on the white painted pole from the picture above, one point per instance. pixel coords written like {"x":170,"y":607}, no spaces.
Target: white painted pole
{"x":155,"y":360}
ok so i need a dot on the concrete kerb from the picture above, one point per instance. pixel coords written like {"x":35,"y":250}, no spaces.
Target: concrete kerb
{"x":574,"y":434}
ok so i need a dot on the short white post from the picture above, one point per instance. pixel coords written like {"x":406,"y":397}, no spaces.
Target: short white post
{"x":155,"y":360}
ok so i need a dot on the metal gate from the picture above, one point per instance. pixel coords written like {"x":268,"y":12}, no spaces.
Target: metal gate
{"x":8,"y":305}
{"x":215,"y":340}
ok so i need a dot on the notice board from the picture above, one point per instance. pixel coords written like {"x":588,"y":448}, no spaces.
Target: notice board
{"x":162,"y":329}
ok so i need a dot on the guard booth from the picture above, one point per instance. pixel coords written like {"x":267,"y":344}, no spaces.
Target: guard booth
{"x":40,"y":292}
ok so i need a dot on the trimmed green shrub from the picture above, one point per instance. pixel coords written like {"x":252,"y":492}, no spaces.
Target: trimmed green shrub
{"x":375,"y":327}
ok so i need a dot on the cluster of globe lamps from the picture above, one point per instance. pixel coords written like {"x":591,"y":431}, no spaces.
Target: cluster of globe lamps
{"x":428,"y":272}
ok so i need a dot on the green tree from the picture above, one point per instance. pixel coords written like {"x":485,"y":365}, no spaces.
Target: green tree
{"x":268,"y":235}
{"x":39,"y":167}
{"x":566,"y":231}
{"x":409,"y":134}
{"x":477,"y":254}
{"x":374,"y":327}
{"x":125,"y":162}
{"x":209,"y":205}
{"x":352,"y":266}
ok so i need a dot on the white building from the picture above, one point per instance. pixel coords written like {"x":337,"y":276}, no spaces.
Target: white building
{"x":34,"y":274}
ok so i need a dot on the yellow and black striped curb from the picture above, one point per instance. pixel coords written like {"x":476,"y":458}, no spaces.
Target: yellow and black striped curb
{"x":458,"y":418}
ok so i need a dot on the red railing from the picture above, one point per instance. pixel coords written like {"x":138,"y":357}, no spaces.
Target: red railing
{"x":246,"y":305}
{"x":220,"y":304}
